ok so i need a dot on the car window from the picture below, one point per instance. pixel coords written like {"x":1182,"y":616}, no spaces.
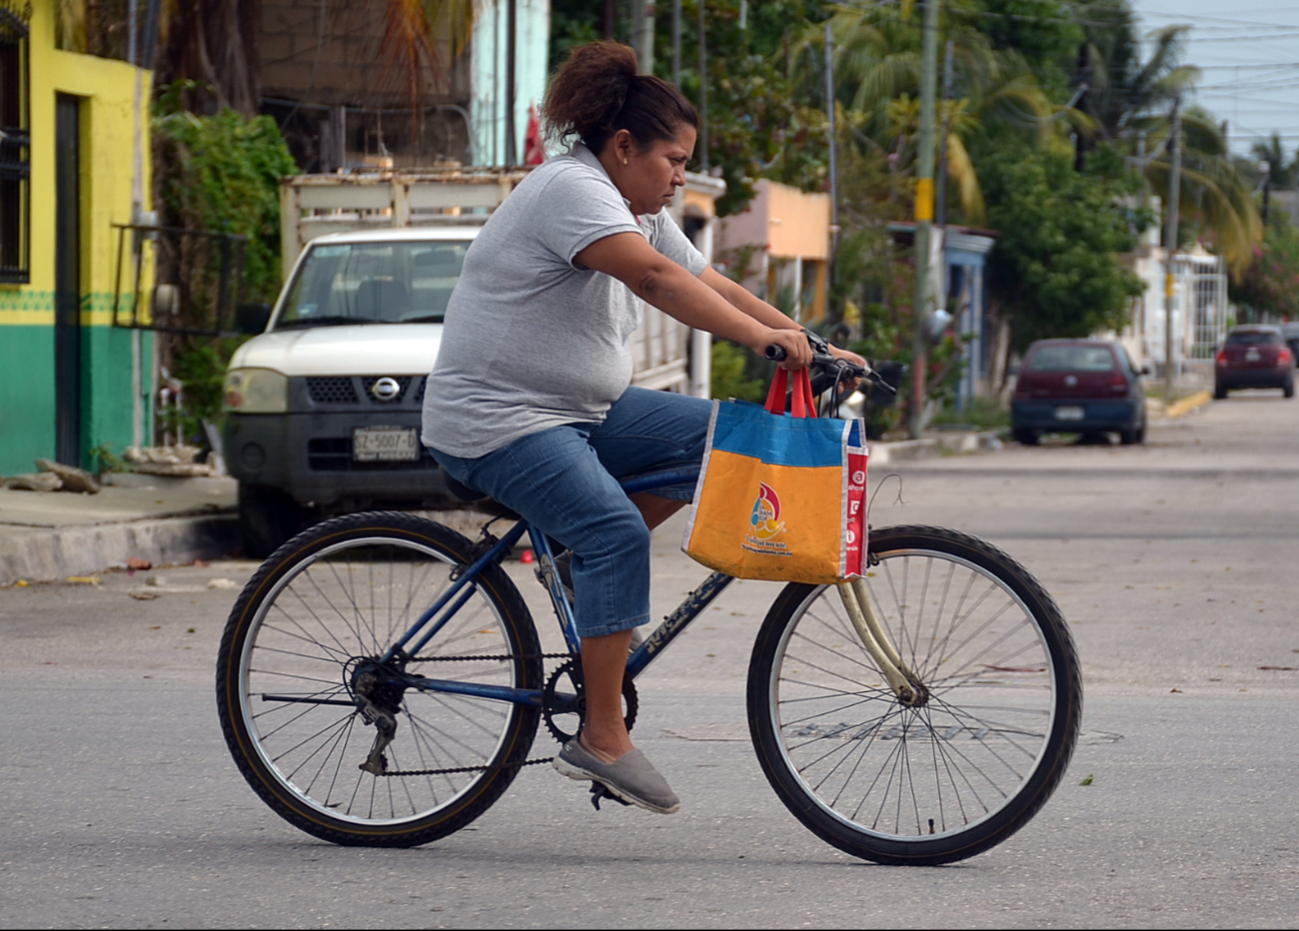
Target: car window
{"x":373,"y":282}
{"x":1067,"y":358}
{"x":1253,"y":338}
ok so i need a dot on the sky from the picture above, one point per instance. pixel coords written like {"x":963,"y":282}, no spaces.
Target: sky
{"x":1249,"y":60}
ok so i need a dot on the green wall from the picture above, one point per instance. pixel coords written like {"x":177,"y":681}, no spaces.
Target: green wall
{"x":26,"y":396}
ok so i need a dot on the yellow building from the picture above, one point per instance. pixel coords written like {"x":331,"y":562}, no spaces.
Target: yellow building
{"x":73,"y":162}
{"x":781,"y":246}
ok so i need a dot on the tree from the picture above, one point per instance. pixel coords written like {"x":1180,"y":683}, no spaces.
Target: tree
{"x":1282,"y":176}
{"x":1270,"y":286}
{"x":1054,"y":271}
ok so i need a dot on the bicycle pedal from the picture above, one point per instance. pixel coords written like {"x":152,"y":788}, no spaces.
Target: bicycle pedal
{"x":600,"y":791}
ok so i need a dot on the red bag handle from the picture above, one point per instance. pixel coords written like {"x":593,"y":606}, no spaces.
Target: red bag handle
{"x":801,"y":404}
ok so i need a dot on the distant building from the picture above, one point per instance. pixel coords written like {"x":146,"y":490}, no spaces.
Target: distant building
{"x":344,"y":101}
{"x":69,"y":379}
{"x":779,"y":248}
{"x":1199,"y":313}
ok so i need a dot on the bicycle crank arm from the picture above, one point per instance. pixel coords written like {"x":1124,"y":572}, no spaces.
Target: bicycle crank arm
{"x":861,"y":611}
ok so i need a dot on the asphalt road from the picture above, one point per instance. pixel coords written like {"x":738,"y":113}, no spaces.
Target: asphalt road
{"x":1172,"y":562}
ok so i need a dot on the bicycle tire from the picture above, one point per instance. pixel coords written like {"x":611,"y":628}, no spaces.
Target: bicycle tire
{"x":918,"y":785}
{"x":329,"y":602}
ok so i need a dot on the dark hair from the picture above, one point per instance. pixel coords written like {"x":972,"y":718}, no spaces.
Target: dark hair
{"x":597,"y":92}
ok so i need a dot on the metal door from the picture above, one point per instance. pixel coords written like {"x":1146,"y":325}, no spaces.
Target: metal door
{"x":67,"y":281}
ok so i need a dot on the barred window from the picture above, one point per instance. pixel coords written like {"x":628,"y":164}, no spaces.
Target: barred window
{"x":15,"y":142}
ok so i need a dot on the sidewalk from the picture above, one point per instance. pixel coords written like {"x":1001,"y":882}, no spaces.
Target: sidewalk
{"x":50,"y":536}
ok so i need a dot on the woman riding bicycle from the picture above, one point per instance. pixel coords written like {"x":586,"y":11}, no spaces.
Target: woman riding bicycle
{"x":530,"y":399}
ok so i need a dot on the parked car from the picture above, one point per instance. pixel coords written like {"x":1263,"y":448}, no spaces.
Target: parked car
{"x":1291,"y":333}
{"x":1085,"y":386}
{"x":1254,"y":357}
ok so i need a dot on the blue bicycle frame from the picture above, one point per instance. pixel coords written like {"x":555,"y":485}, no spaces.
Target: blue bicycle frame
{"x":441,"y":611}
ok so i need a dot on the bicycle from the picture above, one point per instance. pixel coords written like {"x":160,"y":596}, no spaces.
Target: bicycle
{"x":919,"y":715}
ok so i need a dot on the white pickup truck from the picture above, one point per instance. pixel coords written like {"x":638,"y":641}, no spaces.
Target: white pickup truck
{"x":323,"y":406}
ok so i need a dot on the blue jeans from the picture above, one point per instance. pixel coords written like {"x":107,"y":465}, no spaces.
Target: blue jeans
{"x":565,"y":481}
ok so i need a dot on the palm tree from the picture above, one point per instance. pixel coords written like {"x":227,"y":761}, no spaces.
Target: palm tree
{"x":877,"y":76}
{"x":1281,"y":176}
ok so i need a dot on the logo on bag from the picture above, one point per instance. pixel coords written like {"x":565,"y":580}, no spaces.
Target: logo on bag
{"x":765,"y":524}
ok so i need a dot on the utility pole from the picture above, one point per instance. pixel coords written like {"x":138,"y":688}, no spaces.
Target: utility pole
{"x":676,"y":44}
{"x":703,"y":88}
{"x":1170,"y":244}
{"x":940,"y":196}
{"x":511,"y":48}
{"x":834,"y":171}
{"x":642,"y":34}
{"x":924,"y":216}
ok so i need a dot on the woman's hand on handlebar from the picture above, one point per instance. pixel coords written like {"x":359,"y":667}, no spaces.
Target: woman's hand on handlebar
{"x":797,"y":351}
{"x":850,"y":382}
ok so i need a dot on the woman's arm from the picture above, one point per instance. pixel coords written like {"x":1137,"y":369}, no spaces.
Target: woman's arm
{"x":739,"y":296}
{"x":658,"y":280}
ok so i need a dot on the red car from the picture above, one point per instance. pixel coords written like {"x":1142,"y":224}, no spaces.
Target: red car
{"x":1254,"y":357}
{"x":1084,"y":386}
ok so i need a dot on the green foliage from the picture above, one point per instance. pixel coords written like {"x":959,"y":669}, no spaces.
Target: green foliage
{"x":737,"y":373}
{"x":1270,"y":287}
{"x":978,"y":413}
{"x":1054,"y":268}
{"x":222,"y":173}
{"x":103,"y":459}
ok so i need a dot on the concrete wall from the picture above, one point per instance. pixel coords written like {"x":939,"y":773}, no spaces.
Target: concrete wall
{"x":108,"y":95}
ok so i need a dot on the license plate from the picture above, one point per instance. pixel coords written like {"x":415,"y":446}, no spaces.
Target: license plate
{"x":1069,"y":413}
{"x":385,"y":444}
{"x":1251,"y":355}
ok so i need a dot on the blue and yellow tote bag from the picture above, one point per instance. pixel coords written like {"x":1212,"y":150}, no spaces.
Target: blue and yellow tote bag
{"x":780,"y":496}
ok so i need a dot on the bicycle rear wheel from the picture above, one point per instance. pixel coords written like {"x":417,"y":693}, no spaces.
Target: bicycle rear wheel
{"x":305,"y":640}
{"x":947,"y":777}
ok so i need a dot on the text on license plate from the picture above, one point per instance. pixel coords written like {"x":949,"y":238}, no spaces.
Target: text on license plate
{"x":379,"y":444}
{"x":1069,"y":412}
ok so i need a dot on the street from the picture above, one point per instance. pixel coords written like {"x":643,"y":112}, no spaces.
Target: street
{"x":1172,"y":563}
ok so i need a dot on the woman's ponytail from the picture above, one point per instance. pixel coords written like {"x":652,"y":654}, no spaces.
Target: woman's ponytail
{"x":597,"y":92}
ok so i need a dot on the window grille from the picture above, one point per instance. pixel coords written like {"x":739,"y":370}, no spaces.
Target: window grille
{"x":15,"y":144}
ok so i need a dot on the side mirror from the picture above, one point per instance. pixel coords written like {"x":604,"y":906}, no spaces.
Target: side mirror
{"x":251,"y":319}
{"x":1012,"y":369}
{"x":1145,"y":370}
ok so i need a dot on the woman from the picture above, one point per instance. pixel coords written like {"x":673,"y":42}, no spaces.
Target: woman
{"x":529,"y":401}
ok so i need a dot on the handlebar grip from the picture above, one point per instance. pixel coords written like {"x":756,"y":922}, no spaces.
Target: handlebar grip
{"x":775,"y":352}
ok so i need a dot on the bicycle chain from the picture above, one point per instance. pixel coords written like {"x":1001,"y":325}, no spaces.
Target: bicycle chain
{"x":476,"y":769}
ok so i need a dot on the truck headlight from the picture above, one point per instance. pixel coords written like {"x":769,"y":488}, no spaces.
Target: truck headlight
{"x":256,"y":391}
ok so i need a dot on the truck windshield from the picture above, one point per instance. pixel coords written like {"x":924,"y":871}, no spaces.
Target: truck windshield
{"x":373,"y":282}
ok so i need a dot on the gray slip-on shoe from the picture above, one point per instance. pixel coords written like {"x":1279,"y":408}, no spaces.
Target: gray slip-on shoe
{"x":632,"y":778}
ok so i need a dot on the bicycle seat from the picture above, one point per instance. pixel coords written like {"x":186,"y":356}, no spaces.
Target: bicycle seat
{"x":468,"y":493}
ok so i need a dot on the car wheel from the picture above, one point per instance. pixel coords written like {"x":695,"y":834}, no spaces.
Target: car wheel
{"x":1135,"y":435}
{"x":267,"y":518}
{"x":1026,"y":437}
{"x":1219,"y":391}
{"x":1288,"y":388}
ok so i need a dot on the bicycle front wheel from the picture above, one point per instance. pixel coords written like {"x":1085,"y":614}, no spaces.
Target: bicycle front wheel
{"x":327,"y":731}
{"x":962,"y":764}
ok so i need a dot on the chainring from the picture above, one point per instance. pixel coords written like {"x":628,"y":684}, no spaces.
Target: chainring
{"x":558,"y":712}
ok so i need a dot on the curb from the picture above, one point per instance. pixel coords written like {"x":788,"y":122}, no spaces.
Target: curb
{"x":1187,"y":405}
{"x":926,"y":447}
{"x":44,"y":555}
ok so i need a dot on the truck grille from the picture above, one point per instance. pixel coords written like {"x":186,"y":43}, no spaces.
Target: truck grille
{"x":344,"y":389}
{"x":331,"y":390}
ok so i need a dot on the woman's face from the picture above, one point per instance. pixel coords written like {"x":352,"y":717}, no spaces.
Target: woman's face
{"x":649,"y":177}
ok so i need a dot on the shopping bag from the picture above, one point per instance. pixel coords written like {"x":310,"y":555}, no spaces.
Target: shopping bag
{"x":781,"y":496}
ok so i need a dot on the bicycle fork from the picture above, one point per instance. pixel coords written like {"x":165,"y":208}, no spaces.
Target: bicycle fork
{"x":861,"y":611}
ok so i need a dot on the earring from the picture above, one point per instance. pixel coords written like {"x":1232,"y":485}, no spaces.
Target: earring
{"x":624,"y":161}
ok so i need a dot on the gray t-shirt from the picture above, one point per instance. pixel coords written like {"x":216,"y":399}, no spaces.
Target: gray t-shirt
{"x":532,"y":341}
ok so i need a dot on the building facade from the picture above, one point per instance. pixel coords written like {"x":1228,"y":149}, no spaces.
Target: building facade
{"x":74,"y":163}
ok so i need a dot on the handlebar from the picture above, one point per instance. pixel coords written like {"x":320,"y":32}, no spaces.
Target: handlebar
{"x":834,"y":369}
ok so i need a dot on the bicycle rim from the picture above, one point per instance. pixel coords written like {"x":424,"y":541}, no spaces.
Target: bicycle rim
{"x":320,"y":614}
{"x":961,"y":771}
